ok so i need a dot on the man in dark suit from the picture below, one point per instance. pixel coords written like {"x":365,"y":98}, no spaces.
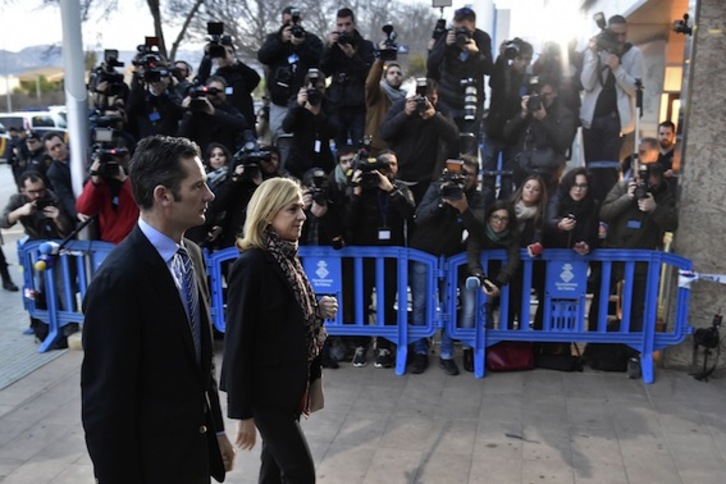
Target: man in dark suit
{"x":150,"y":406}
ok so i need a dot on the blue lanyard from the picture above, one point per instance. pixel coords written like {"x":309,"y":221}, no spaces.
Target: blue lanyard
{"x":383,"y":200}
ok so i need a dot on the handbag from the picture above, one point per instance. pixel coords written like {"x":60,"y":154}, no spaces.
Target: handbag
{"x":510,"y":356}
{"x":316,"y":397}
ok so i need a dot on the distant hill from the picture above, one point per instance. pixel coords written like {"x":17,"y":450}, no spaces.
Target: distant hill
{"x":39,"y":56}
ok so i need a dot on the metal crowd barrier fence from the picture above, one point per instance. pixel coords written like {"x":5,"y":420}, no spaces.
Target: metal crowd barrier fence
{"x":53,"y":295}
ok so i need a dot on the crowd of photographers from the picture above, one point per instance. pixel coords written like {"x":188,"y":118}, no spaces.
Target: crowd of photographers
{"x":403,"y":169}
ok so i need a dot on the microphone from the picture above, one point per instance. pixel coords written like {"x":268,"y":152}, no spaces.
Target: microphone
{"x":48,"y":253}
{"x":473,"y":283}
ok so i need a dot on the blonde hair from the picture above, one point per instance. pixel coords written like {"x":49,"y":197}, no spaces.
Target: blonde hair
{"x":270,"y":197}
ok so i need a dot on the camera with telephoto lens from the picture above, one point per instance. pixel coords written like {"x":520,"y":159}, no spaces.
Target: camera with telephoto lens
{"x":607,"y":40}
{"x":511,"y":48}
{"x":217,"y":40}
{"x":319,"y":187}
{"x":250,"y":156}
{"x":106,"y":72}
{"x":470,"y":98}
{"x":390,"y":51}
{"x":421,"y":90}
{"x":462,"y":37}
{"x":297,"y":31}
{"x":709,"y":337}
{"x":315,"y":95}
{"x":452,"y":180}
{"x":197,"y":94}
{"x":534,"y":102}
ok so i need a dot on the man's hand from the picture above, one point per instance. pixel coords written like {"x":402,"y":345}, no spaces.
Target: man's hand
{"x":647,"y":204}
{"x":489,"y":288}
{"x":209,"y":107}
{"x":355,"y":180}
{"x":541,"y":113}
{"x":51,"y":212}
{"x":450,"y":37}
{"x":471,"y":47}
{"x":332,"y":38}
{"x":95,"y":166}
{"x":228,"y":452}
{"x":613,"y":61}
{"x":410,"y":106}
{"x":246,"y":434}
{"x":460,"y":204}
{"x":286,"y":34}
{"x":319,"y":210}
{"x":185,"y":102}
{"x":26,"y":210}
{"x":307,"y":199}
{"x":302,"y":97}
{"x":347,"y":49}
{"x":581,"y":248}
{"x":383,"y":182}
{"x":430,"y":111}
{"x":631,"y":189}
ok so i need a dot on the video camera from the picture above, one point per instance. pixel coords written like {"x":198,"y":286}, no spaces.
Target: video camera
{"x":368,"y":167}
{"x":607,"y":40}
{"x":109,"y":158}
{"x":452,"y":180}
{"x":297,"y":31}
{"x":315,"y":95}
{"x":439,"y":29}
{"x":106,"y":72}
{"x":217,"y":40}
{"x":390,"y":52}
{"x":250,"y":156}
{"x":344,"y":38}
{"x":198,"y":104}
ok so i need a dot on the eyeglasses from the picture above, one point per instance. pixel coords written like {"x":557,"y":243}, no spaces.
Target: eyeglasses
{"x":497,"y":218}
{"x":580,"y":186}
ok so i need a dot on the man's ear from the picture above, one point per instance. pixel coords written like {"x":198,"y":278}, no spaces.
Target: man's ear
{"x":162,"y":196}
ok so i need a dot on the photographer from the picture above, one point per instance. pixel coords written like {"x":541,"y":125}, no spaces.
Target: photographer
{"x":209,"y":117}
{"x":463,"y":53}
{"x":107,"y":193}
{"x":240,"y":80}
{"x":251,"y":166}
{"x":347,"y":57}
{"x":377,"y":214}
{"x":543,"y":129}
{"x":154,"y":107}
{"x":383,"y":89}
{"x":419,"y":132}
{"x":181,"y":72}
{"x":287,"y":54}
{"x":509,"y":82}
{"x":638,"y":212}
{"x":610,"y":71}
{"x":451,"y":204}
{"x":310,"y":118}
{"x":324,"y":214}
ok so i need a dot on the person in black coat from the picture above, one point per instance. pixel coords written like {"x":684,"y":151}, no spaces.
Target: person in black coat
{"x":274,"y":335}
{"x":149,"y":401}
{"x":573,"y":214}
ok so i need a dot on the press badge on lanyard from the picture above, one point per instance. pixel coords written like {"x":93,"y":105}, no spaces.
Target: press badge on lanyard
{"x":318,"y":145}
{"x":634,"y":224}
{"x":384,"y":233}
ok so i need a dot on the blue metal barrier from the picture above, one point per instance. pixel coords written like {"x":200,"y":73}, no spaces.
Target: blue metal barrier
{"x":324,"y":267}
{"x":343,"y":274}
{"x":51,"y":295}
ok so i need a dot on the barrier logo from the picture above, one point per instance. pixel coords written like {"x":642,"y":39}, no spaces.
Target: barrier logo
{"x":566,"y":275}
{"x":322,"y":271}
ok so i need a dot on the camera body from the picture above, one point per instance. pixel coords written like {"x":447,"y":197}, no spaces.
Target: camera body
{"x":43,"y":203}
{"x":344,"y":38}
{"x":645,"y":171}
{"x":607,"y":40}
{"x":320,"y":187}
{"x":511,"y":49}
{"x":315,"y":95}
{"x":462,"y":36}
{"x":217,"y":40}
{"x":534,"y":103}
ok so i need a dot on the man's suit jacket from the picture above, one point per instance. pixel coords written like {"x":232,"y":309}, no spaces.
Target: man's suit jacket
{"x":265,"y":352}
{"x":150,"y":412}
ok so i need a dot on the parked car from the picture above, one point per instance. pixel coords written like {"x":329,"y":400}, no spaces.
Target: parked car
{"x":39,"y":121}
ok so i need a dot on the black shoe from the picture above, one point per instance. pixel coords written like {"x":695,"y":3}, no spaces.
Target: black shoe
{"x":449,"y":367}
{"x":633,"y":369}
{"x":469,"y":360}
{"x":9,"y":286}
{"x":419,"y":364}
{"x":327,"y":362}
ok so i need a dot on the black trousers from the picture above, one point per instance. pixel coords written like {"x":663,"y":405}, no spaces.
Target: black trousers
{"x":285,"y":457}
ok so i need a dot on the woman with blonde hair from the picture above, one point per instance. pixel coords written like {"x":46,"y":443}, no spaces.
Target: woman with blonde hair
{"x":274,"y":334}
